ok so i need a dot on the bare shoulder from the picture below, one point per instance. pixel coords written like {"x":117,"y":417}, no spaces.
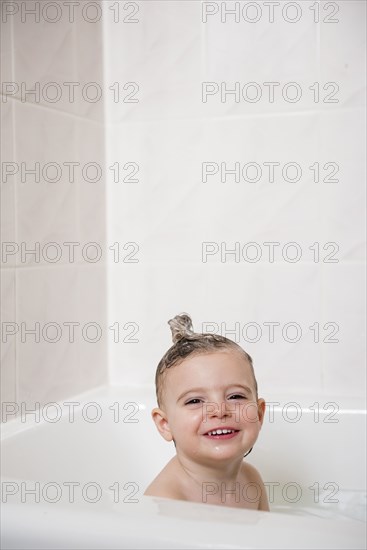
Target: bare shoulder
{"x":250,"y":472}
{"x":251,"y":475}
{"x":165,"y":485}
{"x":159,"y":488}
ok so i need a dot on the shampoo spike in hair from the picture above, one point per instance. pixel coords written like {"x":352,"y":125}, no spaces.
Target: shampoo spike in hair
{"x":181,"y":327}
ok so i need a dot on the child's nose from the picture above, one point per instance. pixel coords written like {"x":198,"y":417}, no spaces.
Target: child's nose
{"x":225,"y":409}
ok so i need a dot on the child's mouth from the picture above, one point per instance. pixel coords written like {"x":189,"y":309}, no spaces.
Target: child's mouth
{"x":222,"y":433}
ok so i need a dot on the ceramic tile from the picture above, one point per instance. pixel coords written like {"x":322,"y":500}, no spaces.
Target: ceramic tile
{"x":161,"y":55}
{"x":8,"y":186}
{"x":52,"y":370}
{"x":343,"y":53}
{"x":343,"y":303}
{"x":8,"y":348}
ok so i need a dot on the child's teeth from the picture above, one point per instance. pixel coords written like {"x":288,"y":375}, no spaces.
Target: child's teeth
{"x":220,"y":432}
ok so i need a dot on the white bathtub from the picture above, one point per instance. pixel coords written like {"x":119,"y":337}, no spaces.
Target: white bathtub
{"x":113,"y":459}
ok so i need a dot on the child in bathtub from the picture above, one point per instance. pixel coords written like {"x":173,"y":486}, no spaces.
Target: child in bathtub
{"x":209,"y":407}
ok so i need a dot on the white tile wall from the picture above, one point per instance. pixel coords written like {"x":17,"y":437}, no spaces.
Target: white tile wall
{"x":162,"y":54}
{"x":70,"y":365}
{"x":170,"y":212}
{"x":168,"y":52}
{"x":38,"y":290}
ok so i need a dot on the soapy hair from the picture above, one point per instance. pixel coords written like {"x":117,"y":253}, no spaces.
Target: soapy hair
{"x":186,"y":342}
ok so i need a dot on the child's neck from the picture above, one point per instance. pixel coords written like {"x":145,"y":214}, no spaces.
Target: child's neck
{"x":227,"y":472}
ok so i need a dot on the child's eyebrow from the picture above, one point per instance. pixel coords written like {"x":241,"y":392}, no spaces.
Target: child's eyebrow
{"x":192,"y":390}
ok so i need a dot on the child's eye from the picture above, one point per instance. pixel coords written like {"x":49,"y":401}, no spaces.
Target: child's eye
{"x":194,"y":401}
{"x":237,"y":396}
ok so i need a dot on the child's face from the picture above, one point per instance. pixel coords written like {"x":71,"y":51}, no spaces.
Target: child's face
{"x":208,"y":392}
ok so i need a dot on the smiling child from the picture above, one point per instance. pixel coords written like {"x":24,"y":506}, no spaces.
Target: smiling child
{"x":209,"y":407}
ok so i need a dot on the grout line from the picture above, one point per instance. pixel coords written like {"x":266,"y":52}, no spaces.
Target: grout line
{"x":106,"y":110}
{"x":104,"y":123}
{"x":14,"y":155}
{"x":46,"y":108}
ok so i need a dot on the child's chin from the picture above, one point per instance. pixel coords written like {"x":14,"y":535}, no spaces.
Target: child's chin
{"x":223,"y":454}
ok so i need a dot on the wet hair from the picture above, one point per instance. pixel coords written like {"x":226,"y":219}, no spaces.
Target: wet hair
{"x":187,"y":343}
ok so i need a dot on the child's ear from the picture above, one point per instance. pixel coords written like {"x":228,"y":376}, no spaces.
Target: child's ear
{"x":261,"y":410}
{"x":160,"y":420}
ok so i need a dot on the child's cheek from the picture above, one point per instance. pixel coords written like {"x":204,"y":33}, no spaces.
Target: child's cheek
{"x":250,"y":413}
{"x":197,"y":416}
